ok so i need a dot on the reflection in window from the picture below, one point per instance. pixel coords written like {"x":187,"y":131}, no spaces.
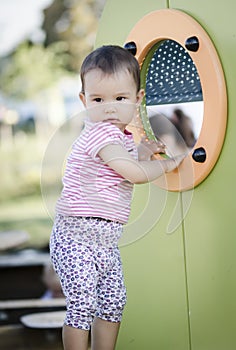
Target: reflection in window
{"x":175,"y":132}
{"x":172,"y":90}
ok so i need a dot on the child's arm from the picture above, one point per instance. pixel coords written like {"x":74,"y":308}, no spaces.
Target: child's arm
{"x":137,"y":172}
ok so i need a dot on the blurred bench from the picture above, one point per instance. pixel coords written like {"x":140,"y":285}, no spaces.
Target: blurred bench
{"x":11,"y":311}
{"x":12,"y":239}
{"x":21,"y":274}
{"x":18,"y":337}
{"x":21,"y":286}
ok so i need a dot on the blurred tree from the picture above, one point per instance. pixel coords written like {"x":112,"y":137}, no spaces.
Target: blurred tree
{"x":32,"y":68}
{"x":74,"y":23}
{"x":70,"y":28}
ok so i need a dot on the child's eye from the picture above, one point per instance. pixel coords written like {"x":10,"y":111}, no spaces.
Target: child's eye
{"x":120,"y":98}
{"x":98,"y":99}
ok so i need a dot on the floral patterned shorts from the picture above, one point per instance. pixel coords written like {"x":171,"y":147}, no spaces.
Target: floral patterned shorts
{"x":85,"y":255}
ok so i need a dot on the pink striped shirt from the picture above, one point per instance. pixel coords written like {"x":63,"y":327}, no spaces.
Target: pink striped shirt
{"x":91,"y":187}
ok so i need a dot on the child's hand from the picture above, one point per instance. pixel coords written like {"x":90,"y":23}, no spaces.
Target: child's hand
{"x":178,"y":159}
{"x":153,"y":146}
{"x":173,"y":163}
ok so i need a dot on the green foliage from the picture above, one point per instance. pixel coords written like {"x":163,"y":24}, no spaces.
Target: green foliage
{"x":21,"y":203}
{"x":74,"y":22}
{"x":31,"y":69}
{"x":27,"y":214}
{"x":70,"y":28}
{"x":20,"y":176}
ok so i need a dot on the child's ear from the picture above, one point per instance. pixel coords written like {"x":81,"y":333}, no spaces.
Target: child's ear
{"x":82,"y":98}
{"x":140,"y":96}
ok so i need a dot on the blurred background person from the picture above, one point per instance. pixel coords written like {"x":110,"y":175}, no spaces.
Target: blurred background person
{"x":176,"y":132}
{"x":184,"y":125}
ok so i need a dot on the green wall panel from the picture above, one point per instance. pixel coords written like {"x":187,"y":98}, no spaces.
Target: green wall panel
{"x":211,"y":220}
{"x":119,"y":17}
{"x":167,"y":308}
{"x":156,"y":315}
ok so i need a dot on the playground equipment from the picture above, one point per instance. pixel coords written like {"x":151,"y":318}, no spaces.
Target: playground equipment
{"x":179,"y":247}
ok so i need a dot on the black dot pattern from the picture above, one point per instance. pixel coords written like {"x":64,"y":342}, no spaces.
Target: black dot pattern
{"x":172,"y":76}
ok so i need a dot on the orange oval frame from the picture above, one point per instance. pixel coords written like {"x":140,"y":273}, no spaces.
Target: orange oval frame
{"x":178,"y":26}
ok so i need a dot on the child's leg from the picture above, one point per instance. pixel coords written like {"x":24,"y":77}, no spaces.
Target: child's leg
{"x":104,"y":334}
{"x":74,"y":338}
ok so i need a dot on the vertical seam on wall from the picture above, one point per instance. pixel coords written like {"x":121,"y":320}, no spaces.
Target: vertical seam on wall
{"x":168,"y":3}
{"x":186,"y":274}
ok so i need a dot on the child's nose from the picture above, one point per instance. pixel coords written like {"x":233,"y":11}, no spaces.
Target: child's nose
{"x":110,"y":108}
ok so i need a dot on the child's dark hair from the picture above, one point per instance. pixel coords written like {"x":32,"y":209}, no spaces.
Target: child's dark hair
{"x":111,"y":59}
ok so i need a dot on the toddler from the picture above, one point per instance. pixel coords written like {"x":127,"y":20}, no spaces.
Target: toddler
{"x":95,"y":200}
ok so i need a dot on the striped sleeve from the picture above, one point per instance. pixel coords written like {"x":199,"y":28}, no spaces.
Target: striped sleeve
{"x":101,"y":135}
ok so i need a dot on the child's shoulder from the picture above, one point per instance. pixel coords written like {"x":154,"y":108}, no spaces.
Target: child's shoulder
{"x":103,"y":128}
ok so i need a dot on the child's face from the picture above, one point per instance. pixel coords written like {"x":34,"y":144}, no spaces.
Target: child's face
{"x":112,"y":98}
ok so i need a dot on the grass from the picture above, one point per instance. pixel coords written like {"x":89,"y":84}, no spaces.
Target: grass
{"x":30,"y":160}
{"x":27,"y":214}
{"x":21,"y":204}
